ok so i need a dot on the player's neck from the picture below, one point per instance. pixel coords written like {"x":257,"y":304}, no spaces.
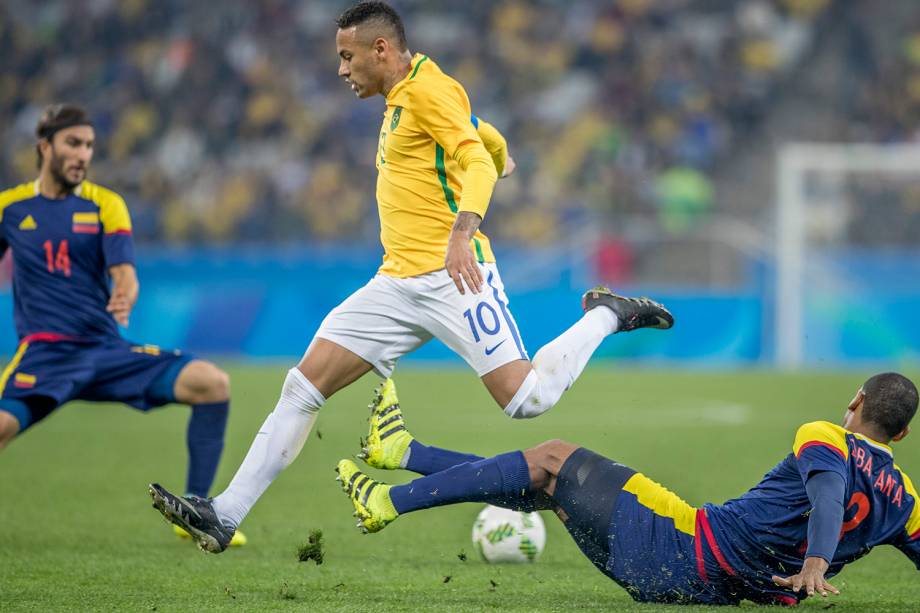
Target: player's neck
{"x":403,"y":65}
{"x":870,"y":432}
{"x":51,"y":188}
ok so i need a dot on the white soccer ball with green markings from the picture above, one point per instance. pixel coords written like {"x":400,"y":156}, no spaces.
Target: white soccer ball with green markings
{"x":502,"y":535}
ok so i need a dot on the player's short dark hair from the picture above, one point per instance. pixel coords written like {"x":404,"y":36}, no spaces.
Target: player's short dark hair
{"x":379,"y":12}
{"x":57,"y":117}
{"x":890,"y":402}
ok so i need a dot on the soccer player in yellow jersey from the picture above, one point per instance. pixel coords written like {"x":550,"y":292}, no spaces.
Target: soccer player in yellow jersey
{"x":437,"y":166}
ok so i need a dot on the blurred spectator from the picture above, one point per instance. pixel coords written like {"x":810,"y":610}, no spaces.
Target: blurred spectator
{"x":226,"y":121}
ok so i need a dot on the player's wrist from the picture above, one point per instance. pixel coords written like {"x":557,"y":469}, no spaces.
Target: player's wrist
{"x":815,"y":562}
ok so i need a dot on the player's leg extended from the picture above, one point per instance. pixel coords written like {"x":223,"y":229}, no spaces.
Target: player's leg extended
{"x":285,"y":431}
{"x":368,"y":330}
{"x":526,"y":390}
{"x":213,"y":523}
{"x":509,"y":480}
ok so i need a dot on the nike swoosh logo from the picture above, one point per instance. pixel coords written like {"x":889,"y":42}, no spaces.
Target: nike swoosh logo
{"x":491,"y":350}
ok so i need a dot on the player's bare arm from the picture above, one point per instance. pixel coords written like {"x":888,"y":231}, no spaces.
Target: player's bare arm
{"x":460,"y":262}
{"x":125,"y":289}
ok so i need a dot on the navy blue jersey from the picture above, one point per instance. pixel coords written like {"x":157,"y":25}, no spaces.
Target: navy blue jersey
{"x":662,"y":549}
{"x":764,"y":532}
{"x":62,"y":251}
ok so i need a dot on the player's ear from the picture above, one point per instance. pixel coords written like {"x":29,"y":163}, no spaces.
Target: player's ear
{"x":381,"y":46}
{"x":900,"y":436}
{"x":43,"y":149}
{"x":857,"y":400}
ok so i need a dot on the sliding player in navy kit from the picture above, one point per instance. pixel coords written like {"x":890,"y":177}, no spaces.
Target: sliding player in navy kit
{"x":74,"y":281}
{"x":828,"y":503}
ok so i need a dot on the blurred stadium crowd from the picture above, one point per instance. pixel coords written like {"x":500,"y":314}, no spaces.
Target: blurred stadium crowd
{"x":226,"y":121}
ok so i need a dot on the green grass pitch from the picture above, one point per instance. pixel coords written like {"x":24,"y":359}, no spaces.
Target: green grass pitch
{"x":77,"y":531}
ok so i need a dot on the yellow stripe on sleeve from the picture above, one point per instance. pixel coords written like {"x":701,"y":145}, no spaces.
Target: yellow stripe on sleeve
{"x":821,"y":433}
{"x":12,"y":366}
{"x":16,"y":194}
{"x":913,"y":522}
{"x":112,"y":208}
{"x":662,"y":502}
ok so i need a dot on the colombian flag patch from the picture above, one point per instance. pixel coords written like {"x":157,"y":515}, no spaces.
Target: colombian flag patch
{"x":23,"y":380}
{"x":86,"y":223}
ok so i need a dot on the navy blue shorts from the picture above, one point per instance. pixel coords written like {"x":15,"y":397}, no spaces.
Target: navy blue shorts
{"x":44,"y":374}
{"x":587,"y":489}
{"x":635,"y":531}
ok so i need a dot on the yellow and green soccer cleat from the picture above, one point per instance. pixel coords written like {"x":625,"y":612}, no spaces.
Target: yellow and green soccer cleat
{"x":239,"y":539}
{"x":387,"y":438}
{"x":373,"y":506}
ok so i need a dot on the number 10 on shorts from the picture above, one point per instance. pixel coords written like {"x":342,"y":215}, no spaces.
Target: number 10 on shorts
{"x":486,"y":320}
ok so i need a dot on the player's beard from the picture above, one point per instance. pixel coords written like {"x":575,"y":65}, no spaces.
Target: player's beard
{"x":57,"y":171}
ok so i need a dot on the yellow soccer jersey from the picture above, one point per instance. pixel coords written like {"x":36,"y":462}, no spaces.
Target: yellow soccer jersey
{"x":419,"y":183}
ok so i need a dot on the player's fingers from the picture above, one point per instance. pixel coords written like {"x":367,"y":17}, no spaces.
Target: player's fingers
{"x":478,"y":271}
{"x":831,"y":588}
{"x":781,"y":581}
{"x":475,"y":278}
{"x":470,"y":281}
{"x":811,"y":586}
{"x":456,"y":277}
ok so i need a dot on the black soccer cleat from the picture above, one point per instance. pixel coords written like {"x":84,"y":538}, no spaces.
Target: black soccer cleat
{"x":194,"y":515}
{"x":632,"y":312}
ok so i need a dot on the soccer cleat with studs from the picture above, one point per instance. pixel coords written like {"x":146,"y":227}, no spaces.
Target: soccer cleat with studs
{"x":371,"y":499}
{"x":632,"y":313}
{"x":194,"y":515}
{"x":239,"y":539}
{"x":387,"y":438}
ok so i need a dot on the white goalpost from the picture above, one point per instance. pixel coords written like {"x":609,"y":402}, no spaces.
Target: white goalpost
{"x":796,"y":204}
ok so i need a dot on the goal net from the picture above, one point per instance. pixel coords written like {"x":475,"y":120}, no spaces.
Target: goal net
{"x":847,"y":249}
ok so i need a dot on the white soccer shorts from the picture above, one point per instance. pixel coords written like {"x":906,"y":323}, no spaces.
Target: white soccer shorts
{"x":390,"y":317}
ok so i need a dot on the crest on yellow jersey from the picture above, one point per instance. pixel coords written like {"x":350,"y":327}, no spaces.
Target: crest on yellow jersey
{"x":397,"y":113}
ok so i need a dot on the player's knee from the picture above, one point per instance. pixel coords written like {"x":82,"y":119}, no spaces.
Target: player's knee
{"x":9,"y":428}
{"x":530,"y":400}
{"x":203,"y":382}
{"x":216,"y":384}
{"x":551,"y":455}
{"x":221,"y":384}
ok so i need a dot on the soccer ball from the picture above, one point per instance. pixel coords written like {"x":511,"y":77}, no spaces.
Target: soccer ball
{"x":502,"y":535}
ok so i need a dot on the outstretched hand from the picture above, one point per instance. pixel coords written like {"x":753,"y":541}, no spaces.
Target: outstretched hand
{"x":810,"y":578}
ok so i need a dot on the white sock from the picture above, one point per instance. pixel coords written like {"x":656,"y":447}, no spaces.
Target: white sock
{"x":559,"y":363}
{"x":278,"y":442}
